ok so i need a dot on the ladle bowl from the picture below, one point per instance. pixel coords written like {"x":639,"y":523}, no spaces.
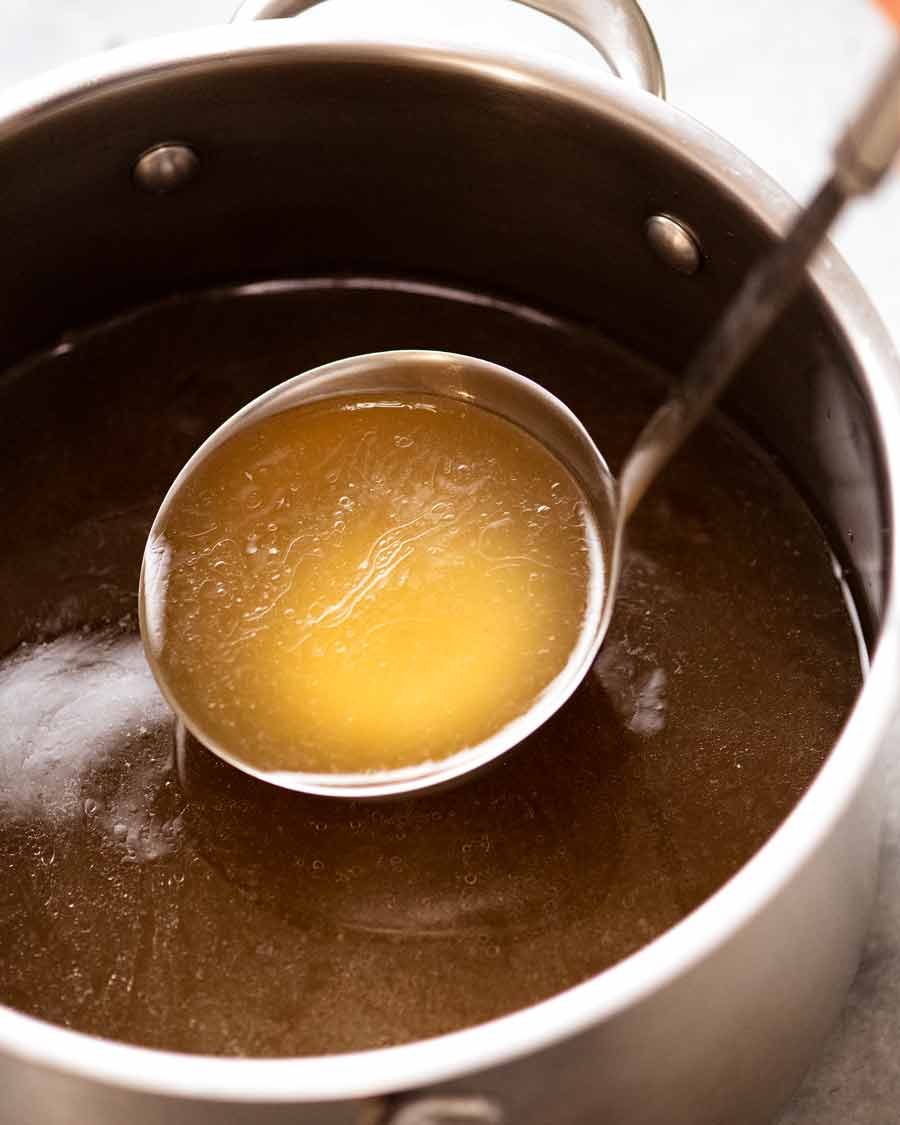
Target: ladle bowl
{"x":467,"y":379}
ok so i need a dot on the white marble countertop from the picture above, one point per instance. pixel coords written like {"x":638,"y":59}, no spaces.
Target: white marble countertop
{"x":776,"y":78}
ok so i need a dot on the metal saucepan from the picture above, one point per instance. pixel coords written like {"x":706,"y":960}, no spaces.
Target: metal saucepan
{"x":251,"y":153}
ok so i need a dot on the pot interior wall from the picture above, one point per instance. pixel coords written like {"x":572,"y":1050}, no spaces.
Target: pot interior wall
{"x":321,"y":160}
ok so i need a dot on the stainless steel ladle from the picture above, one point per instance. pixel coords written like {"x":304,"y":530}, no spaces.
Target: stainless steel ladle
{"x":862,"y":157}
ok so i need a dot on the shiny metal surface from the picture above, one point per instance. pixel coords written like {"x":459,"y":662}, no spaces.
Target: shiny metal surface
{"x":618,"y":29}
{"x":869,"y":147}
{"x":674,"y":244}
{"x":763,"y":296}
{"x":765,"y":962}
{"x":165,"y":168}
{"x":468,"y":379}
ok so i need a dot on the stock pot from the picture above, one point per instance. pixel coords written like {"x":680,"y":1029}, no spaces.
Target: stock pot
{"x":255,"y":153}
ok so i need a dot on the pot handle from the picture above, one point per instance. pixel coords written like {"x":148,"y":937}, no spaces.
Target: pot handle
{"x":618,"y":29}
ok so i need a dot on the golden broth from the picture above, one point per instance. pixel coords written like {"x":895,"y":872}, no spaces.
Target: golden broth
{"x":197,"y":909}
{"x":369,"y":583}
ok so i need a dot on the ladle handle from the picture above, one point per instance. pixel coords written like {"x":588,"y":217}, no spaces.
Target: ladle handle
{"x":868,"y":147}
{"x":617,"y":29}
{"x":862,"y":156}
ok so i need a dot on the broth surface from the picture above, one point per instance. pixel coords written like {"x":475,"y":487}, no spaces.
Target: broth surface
{"x":172,"y":901}
{"x":369,"y":583}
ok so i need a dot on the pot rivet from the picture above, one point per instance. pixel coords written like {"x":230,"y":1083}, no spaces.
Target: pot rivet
{"x":674,"y":243}
{"x":165,"y":167}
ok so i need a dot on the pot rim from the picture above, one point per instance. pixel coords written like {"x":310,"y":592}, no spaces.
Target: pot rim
{"x":370,"y":1073}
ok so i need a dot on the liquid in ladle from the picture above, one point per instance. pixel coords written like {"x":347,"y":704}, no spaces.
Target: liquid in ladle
{"x":369,"y":583}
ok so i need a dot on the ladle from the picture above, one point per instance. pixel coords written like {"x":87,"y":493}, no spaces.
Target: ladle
{"x":862,"y":156}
